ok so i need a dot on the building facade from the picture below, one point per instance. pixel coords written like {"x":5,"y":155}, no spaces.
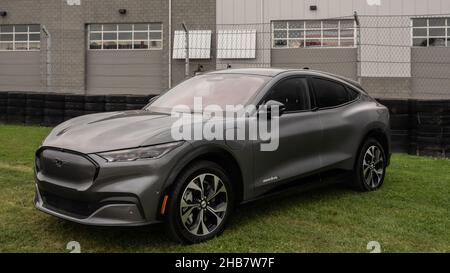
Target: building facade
{"x":133,"y":57}
{"x":396,"y":49}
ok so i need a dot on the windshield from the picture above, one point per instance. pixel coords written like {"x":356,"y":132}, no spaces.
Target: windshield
{"x":213,"y":89}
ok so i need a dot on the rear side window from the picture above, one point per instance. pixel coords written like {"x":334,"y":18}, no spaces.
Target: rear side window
{"x":293,"y":93}
{"x":352,"y":94}
{"x":329,"y":93}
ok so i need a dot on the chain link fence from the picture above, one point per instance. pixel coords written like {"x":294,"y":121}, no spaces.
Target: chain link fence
{"x":402,"y":60}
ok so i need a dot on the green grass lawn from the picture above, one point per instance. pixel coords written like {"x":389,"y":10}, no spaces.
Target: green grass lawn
{"x":409,"y":214}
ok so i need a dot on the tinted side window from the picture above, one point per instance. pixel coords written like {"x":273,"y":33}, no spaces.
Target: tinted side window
{"x":293,"y":93}
{"x":329,"y":94}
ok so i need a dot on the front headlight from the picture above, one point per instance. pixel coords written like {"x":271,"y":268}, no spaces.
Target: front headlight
{"x":155,"y":151}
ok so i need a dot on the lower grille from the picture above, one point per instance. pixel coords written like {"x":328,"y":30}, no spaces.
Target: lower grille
{"x":77,"y":209}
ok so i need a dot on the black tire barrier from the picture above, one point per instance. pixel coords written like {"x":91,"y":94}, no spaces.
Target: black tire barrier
{"x":3,"y":106}
{"x":15,"y":119}
{"x":400,"y":122}
{"x":54,"y":97}
{"x":92,"y":112}
{"x":35,"y":100}
{"x":135,"y":106}
{"x":35,"y":96}
{"x":430,"y":140}
{"x":17,"y":99}
{"x":418,"y":127}
{"x":54,"y":112}
{"x":435,"y":107}
{"x":71,"y":105}
{"x":35,"y":103}
{"x":34,"y":120}
{"x":112,"y":107}
{"x":17,"y":95}
{"x":429,"y":119}
{"x":431,"y":129}
{"x":3,"y":118}
{"x":32,"y":111}
{"x":15,"y":110}
{"x":74,"y":98}
{"x":17,"y":102}
{"x":69,"y":114}
{"x":50,"y":104}
{"x":430,"y":149}
{"x":400,"y":140}
{"x":95,"y":107}
{"x":15,"y":114}
{"x":94,"y":99}
{"x":396,"y":107}
{"x":138,"y":100}
{"x":51,"y":121}
{"x":116,"y":99}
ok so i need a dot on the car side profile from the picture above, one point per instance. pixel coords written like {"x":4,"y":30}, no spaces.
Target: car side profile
{"x":127,"y":169}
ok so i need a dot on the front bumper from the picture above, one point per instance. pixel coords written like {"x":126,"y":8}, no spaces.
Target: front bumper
{"x":88,"y":190}
{"x":107,"y":215}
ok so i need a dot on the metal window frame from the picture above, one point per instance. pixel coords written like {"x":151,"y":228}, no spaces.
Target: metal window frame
{"x":305,"y":29}
{"x":28,"y":33}
{"x":446,"y":27}
{"x":132,"y":31}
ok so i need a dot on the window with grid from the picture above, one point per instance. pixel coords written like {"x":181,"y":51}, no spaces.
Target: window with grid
{"x":313,"y":33}
{"x":431,"y":32}
{"x":20,"y":37}
{"x":125,"y":36}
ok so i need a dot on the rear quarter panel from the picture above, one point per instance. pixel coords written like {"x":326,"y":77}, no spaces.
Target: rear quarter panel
{"x":345,"y":128}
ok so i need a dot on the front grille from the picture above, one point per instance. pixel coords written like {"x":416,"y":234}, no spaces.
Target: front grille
{"x":57,"y":165}
{"x":77,"y":209}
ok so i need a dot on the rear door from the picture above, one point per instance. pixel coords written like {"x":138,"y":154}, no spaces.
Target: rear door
{"x":336,"y":110}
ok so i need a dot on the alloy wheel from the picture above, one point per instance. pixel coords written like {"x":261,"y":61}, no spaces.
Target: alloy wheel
{"x":204,"y":204}
{"x":373,"y":166}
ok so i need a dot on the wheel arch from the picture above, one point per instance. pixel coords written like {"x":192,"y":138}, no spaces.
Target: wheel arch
{"x":213,"y":153}
{"x":382,"y":136}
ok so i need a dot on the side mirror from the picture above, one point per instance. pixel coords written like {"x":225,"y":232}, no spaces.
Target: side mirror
{"x":269,"y":107}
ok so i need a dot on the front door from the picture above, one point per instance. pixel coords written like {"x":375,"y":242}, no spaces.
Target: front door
{"x":299,"y":137}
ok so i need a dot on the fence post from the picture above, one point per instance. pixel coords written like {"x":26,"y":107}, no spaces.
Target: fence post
{"x":358,"y":47}
{"x":186,"y":31}
{"x":48,"y":60}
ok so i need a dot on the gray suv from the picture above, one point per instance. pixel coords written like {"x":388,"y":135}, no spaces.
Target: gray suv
{"x":127,"y":169}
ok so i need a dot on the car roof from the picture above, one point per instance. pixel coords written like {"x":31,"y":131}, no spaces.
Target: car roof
{"x":269,"y":72}
{"x":273,"y":72}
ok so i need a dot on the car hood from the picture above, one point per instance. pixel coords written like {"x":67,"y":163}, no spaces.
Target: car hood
{"x":111,"y":131}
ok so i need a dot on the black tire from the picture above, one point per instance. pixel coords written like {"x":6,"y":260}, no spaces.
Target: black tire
{"x":17,"y":102}
{"x":359,"y":182}
{"x":34,"y":103}
{"x":116,"y":99}
{"x":74,"y":98}
{"x":400,"y":122}
{"x":175,"y":226}
{"x":54,"y":104}
{"x":15,"y":110}
{"x":69,"y":105}
{"x":34,"y":120}
{"x":112,"y":107}
{"x":134,"y":106}
{"x":92,"y":106}
{"x":68,"y":114}
{"x":31,"y":111}
{"x":138,"y":100}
